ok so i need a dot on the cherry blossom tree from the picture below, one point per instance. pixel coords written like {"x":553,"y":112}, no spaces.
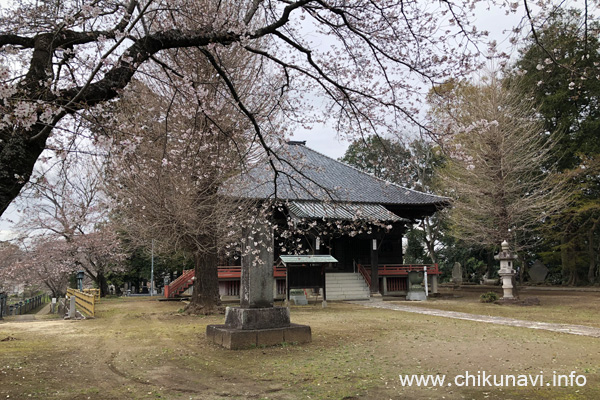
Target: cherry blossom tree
{"x":10,"y":254}
{"x":46,"y":263}
{"x":64,"y":207}
{"x":167,"y":189}
{"x":98,"y":253}
{"x":355,"y":63}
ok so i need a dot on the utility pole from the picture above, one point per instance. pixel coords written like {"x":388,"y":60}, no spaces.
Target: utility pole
{"x":152,"y":272}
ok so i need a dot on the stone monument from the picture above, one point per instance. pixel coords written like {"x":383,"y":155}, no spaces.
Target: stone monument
{"x":538,"y":272}
{"x":507,"y":272}
{"x":457,"y":276}
{"x":257,"y":322}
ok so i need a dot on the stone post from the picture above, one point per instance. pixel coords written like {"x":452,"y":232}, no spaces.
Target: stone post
{"x":72,"y":307}
{"x":256,"y":285}
{"x":507,"y":272}
{"x":434,"y":284}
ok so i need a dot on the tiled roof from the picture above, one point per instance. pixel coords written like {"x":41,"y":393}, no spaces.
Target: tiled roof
{"x":306,"y":174}
{"x":341,"y":211}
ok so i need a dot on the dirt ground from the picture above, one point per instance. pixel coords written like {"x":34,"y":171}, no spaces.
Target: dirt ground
{"x":139,"y":348}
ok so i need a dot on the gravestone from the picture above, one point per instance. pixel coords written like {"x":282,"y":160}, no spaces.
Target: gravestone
{"x":457,"y":275}
{"x":538,"y":272}
{"x":257,"y":322}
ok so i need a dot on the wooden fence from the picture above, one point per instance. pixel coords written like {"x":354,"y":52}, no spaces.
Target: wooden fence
{"x":95,"y":292}
{"x":84,"y":302}
{"x":25,"y":306}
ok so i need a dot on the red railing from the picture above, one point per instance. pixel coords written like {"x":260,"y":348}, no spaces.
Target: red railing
{"x":281,"y":286}
{"x":224,"y":272}
{"x":402,"y":269}
{"x":229,"y":272}
{"x":396,"y":270}
{"x":365,"y":274}
{"x":279,"y":272}
{"x":232,"y":288}
{"x":173,"y":288}
{"x":234,"y":272}
{"x":396,"y":284}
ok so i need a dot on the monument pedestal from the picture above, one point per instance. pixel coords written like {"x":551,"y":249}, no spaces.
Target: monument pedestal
{"x":237,"y":339}
{"x":416,"y":295}
{"x":507,"y":286}
{"x":251,"y":327}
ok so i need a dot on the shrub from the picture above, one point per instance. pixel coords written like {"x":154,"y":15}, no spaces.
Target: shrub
{"x":488,"y":297}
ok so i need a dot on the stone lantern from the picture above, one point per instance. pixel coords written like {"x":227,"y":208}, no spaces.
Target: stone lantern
{"x":80,"y":275}
{"x":507,"y":272}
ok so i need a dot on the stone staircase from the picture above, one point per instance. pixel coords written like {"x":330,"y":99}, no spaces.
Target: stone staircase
{"x":346,"y":286}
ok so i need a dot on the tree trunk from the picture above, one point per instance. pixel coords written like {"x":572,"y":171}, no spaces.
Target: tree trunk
{"x":206,"y":299}
{"x":53,"y":289}
{"x":592,"y":252}
{"x":430,"y":240}
{"x":491,"y":264}
{"x":18,"y":155}
{"x":568,"y":264}
{"x":102,"y":284}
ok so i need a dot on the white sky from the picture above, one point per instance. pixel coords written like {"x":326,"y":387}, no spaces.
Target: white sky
{"x":324,"y":139}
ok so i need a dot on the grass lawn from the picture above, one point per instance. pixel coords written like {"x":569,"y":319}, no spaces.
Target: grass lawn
{"x":139,"y":348}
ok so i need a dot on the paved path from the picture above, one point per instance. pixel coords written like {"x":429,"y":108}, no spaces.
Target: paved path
{"x":30,"y":317}
{"x":562,"y":328}
{"x":45,"y":310}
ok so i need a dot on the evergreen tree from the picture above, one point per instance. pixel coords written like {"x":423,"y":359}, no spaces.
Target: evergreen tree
{"x":560,"y":69}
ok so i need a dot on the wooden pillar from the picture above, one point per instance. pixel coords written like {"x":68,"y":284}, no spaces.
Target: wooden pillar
{"x":374,"y":265}
{"x":324,"y":283}
{"x":287,"y":286}
{"x":401,"y":250}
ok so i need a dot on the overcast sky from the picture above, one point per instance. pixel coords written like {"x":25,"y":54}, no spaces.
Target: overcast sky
{"x":324,"y":139}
